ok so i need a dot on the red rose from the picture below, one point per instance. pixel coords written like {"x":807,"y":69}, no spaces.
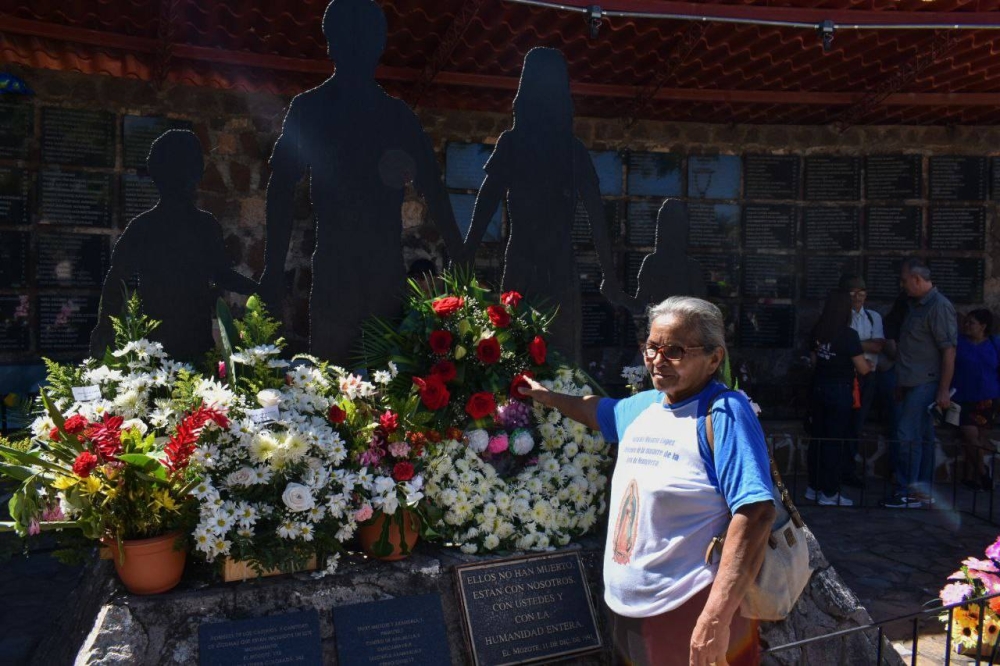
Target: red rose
{"x":488,"y":350}
{"x":433,"y":393}
{"x":448,"y":305}
{"x":440,"y":342}
{"x":76,"y":424}
{"x":517,"y":383}
{"x":537,"y":348}
{"x":510,"y":298}
{"x":84,"y":464}
{"x":336,"y":415}
{"x":499,"y":316}
{"x":445,"y":370}
{"x":389,"y":421}
{"x":402,"y":471}
{"x":480,"y":405}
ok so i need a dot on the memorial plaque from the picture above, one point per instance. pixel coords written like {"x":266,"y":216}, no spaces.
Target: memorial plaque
{"x":961,"y":280}
{"x":589,"y":269}
{"x":882,"y":277}
{"x":78,"y":137}
{"x":654,"y":174}
{"x":957,"y":228}
{"x":894,"y":177}
{"x":767,"y":326}
{"x":714,"y":177}
{"x":14,"y":323}
{"x":608,"y":164}
{"x":72,"y":260}
{"x":958,"y":178}
{"x":721,"y":273}
{"x":527,"y":609}
{"x":581,"y":232}
{"x":893,"y":227}
{"x":641,"y":222}
{"x":290,"y":638}
{"x":14,"y":188}
{"x":832,"y":228}
{"x":463,"y":165}
{"x":768,"y":276}
{"x":463,"y":206}
{"x":404,"y":630}
{"x":139,"y":194}
{"x":139,"y":133}
{"x":66,"y":322}
{"x":822,"y":274}
{"x":772,"y":177}
{"x":75,"y":198}
{"x":769,"y":226}
{"x":714,"y":225}
{"x":598,"y":325}
{"x":995,"y":180}
{"x":13,"y":259}
{"x":633,"y":262}
{"x":17,"y":126}
{"x":832,"y":178}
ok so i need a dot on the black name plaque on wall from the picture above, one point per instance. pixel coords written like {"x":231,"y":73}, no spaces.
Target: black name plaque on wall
{"x":139,"y":133}
{"x":582,"y":233}
{"x":75,"y":198}
{"x":599,"y":327}
{"x":633,"y":262}
{"x":832,"y":178}
{"x":78,"y":137}
{"x":14,"y":188}
{"x":654,"y":174}
{"x":17,"y":126}
{"x":15,"y":333}
{"x":714,"y":176}
{"x":832,"y":228}
{"x":957,"y":178}
{"x":721,"y":273}
{"x":772,"y":177}
{"x":66,"y":322}
{"x":995,"y":180}
{"x":527,"y":609}
{"x":714,"y":225}
{"x":822,"y":274}
{"x":957,"y":228}
{"x":589,"y":269}
{"x":289,"y":638}
{"x":13,"y":259}
{"x":139,"y":194}
{"x":404,"y":630}
{"x":894,"y":177}
{"x":767,"y":326}
{"x":961,"y":280}
{"x":882,"y":277}
{"x":72,"y":260}
{"x":768,"y":276}
{"x":769,"y":226}
{"x":894,"y":228}
{"x":641,"y":222}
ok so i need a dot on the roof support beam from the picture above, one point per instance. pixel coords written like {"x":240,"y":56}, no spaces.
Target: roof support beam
{"x":442,"y":55}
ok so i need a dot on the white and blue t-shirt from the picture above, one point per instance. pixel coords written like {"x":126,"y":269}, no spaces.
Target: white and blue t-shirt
{"x":670,"y":496}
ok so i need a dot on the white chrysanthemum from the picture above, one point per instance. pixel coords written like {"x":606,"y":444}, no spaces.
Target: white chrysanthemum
{"x":263,"y":446}
{"x":478,"y":440}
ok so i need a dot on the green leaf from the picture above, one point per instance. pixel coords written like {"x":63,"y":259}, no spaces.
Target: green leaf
{"x":54,"y":413}
{"x":144,"y":462}
{"x":227,"y":332}
{"x":15,"y":472}
{"x":31,"y":460}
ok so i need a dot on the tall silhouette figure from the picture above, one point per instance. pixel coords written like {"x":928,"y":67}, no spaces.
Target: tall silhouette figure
{"x":361,"y":147}
{"x":543,"y":170}
{"x":176,"y":254}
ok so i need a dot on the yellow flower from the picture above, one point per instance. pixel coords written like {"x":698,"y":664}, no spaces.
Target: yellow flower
{"x":164,"y":499}
{"x":92,"y":485}
{"x":64,"y":482}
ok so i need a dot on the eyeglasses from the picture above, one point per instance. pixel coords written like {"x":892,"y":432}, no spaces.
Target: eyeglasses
{"x":858,"y":292}
{"x":669,"y":351}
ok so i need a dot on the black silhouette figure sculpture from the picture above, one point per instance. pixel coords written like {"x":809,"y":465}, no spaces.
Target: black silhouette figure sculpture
{"x":176,"y":254}
{"x":543,"y":169}
{"x":361,"y":147}
{"x":668,"y":270}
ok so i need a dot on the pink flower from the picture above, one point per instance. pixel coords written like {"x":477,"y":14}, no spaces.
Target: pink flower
{"x":54,"y":512}
{"x":222,"y":369}
{"x":980,"y":565}
{"x":993,"y":551}
{"x":399,"y":449}
{"x":370,"y":457}
{"x":955,"y":593}
{"x":364,"y":513}
{"x":958,"y":575}
{"x":498,"y":443}
{"x":990,"y":581}
{"x":33,"y":528}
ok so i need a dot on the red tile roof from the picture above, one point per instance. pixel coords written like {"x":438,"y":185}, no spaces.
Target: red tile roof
{"x":467,"y":54}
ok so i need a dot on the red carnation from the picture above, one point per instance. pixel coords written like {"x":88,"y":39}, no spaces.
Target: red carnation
{"x":336,"y":415}
{"x":448,"y":305}
{"x":499,"y":316}
{"x":54,"y":434}
{"x":389,"y":421}
{"x":510,"y":298}
{"x":537,"y":348}
{"x":433,"y":392}
{"x":402,"y":471}
{"x":84,"y":464}
{"x":445,"y":370}
{"x":440,"y":342}
{"x":456,"y":434}
{"x":518,"y":382}
{"x":488,"y":350}
{"x":76,"y":424}
{"x":480,"y":405}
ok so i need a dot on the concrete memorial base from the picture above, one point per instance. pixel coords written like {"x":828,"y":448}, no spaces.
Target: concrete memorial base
{"x":105,"y":625}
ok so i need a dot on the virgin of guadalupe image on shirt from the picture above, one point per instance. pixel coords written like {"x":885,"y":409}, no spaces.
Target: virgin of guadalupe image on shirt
{"x":543,"y":169}
{"x":627,"y":524}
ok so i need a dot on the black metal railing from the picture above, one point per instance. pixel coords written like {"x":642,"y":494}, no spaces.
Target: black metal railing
{"x":882,"y":643}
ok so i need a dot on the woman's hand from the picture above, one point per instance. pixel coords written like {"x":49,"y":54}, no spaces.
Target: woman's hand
{"x":709,"y":642}
{"x":535,"y":391}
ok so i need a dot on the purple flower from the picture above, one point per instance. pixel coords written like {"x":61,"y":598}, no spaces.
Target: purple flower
{"x":512,"y":415}
{"x":955,"y":593}
{"x":993,"y":551}
{"x":370,"y":457}
{"x":980,"y":565}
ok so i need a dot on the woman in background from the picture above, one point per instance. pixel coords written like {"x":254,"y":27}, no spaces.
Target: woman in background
{"x":976,"y":389}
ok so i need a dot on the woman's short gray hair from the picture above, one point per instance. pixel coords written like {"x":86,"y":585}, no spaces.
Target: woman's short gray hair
{"x":704,"y":317}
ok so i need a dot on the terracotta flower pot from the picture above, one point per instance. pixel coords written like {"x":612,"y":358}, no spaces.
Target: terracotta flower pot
{"x":370,"y":532}
{"x":150,"y":566}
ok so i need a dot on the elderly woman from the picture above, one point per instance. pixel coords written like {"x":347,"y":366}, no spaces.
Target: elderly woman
{"x":673,"y":491}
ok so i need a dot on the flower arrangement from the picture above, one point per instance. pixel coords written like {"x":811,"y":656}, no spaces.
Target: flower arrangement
{"x":977,"y":578}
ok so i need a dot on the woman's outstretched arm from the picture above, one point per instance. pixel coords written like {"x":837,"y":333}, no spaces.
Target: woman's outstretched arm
{"x":578,"y":408}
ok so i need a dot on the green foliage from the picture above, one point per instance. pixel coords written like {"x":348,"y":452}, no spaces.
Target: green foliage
{"x":133,"y":324}
{"x":257,"y":327}
{"x":61,"y":378}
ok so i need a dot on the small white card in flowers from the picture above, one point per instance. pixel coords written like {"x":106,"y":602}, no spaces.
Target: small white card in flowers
{"x":264,"y":415}
{"x":86,"y":393}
